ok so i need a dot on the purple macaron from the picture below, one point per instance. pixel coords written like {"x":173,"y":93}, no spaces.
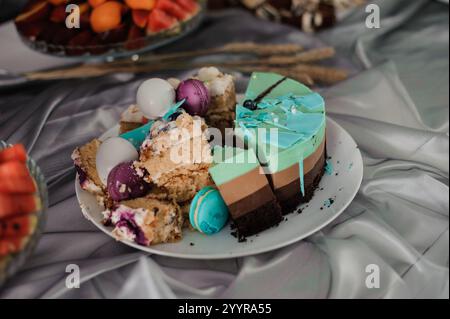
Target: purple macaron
{"x":196,"y":95}
{"x":124,"y":183}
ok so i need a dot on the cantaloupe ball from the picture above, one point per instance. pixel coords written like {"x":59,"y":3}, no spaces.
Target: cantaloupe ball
{"x":141,"y":4}
{"x":96,"y":3}
{"x":106,"y":16}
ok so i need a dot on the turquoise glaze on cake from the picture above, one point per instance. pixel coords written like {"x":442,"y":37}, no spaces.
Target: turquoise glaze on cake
{"x":138,"y":136}
{"x":208,"y":213}
{"x":292,"y":110}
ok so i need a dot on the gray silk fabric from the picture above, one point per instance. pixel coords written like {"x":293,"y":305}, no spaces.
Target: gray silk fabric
{"x":395,"y":106}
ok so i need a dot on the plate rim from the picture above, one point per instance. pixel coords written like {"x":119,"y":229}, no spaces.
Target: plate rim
{"x":219,"y":256}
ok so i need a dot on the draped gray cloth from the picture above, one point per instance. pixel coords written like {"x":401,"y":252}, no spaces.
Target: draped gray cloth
{"x":395,"y":106}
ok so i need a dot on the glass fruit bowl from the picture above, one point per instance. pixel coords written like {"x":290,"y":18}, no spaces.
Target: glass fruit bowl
{"x":11,"y":264}
{"x":125,"y":40}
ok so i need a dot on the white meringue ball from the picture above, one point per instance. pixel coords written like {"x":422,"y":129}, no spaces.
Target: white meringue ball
{"x":208,"y":74}
{"x":112,"y":152}
{"x":155,"y":97}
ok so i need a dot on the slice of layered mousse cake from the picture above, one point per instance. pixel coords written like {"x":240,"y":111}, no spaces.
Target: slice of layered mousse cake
{"x":245,"y":189}
{"x":285,"y":123}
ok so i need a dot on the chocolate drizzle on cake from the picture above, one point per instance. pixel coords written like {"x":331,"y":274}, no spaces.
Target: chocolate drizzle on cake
{"x":253,"y":104}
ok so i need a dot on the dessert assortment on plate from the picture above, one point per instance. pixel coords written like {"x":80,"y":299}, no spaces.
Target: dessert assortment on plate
{"x":103,"y":24}
{"x":19,"y":203}
{"x":171,"y":170}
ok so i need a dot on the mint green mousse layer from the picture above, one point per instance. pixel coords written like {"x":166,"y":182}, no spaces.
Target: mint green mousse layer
{"x":230,"y":163}
{"x":259,"y":82}
{"x":297,"y":114}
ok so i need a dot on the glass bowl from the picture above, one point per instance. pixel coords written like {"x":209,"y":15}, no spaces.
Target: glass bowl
{"x":119,"y":49}
{"x":11,"y":264}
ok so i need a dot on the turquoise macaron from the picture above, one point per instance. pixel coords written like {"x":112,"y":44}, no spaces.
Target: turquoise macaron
{"x":208,"y":213}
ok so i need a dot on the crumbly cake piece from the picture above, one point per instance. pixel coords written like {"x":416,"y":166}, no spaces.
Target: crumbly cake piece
{"x":84,"y":159}
{"x":223,"y":98}
{"x":176,"y":157}
{"x":146,"y":221}
{"x":131,"y":119}
{"x":185,"y":209}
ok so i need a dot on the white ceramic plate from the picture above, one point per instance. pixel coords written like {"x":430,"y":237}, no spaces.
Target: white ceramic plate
{"x":334,"y":194}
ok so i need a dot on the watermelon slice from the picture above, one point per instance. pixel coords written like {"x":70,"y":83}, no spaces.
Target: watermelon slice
{"x":190,"y":6}
{"x":160,"y":21}
{"x":13,"y":169}
{"x":17,"y":185}
{"x":172,"y":8}
{"x":140,"y":17}
{"x":15,"y":178}
{"x":17,"y":204}
{"x":12,"y":245}
{"x":14,"y":153}
{"x":20,"y":226}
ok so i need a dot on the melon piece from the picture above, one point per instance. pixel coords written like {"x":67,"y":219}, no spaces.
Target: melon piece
{"x":190,"y":6}
{"x":106,"y":16}
{"x":15,"y":153}
{"x":172,"y":8}
{"x":96,"y":3}
{"x":159,"y":21}
{"x":141,"y":4}
{"x":13,"y":169}
{"x":20,"y":226}
{"x":15,"y":178}
{"x":17,"y":185}
{"x":140,"y":17}
{"x":18,"y":204}
{"x":12,"y":245}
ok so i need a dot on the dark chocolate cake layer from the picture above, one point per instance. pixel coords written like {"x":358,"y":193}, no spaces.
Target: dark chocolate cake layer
{"x":256,"y":212}
{"x":251,"y":202}
{"x":290,"y":195}
{"x":266,"y":216}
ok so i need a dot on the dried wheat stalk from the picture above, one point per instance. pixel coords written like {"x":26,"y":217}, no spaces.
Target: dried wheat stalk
{"x":305,"y":57}
{"x":293,"y":74}
{"x":284,"y":59}
{"x":307,"y":74}
{"x":322,"y":74}
{"x":262,"y":49}
{"x":231,"y":48}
